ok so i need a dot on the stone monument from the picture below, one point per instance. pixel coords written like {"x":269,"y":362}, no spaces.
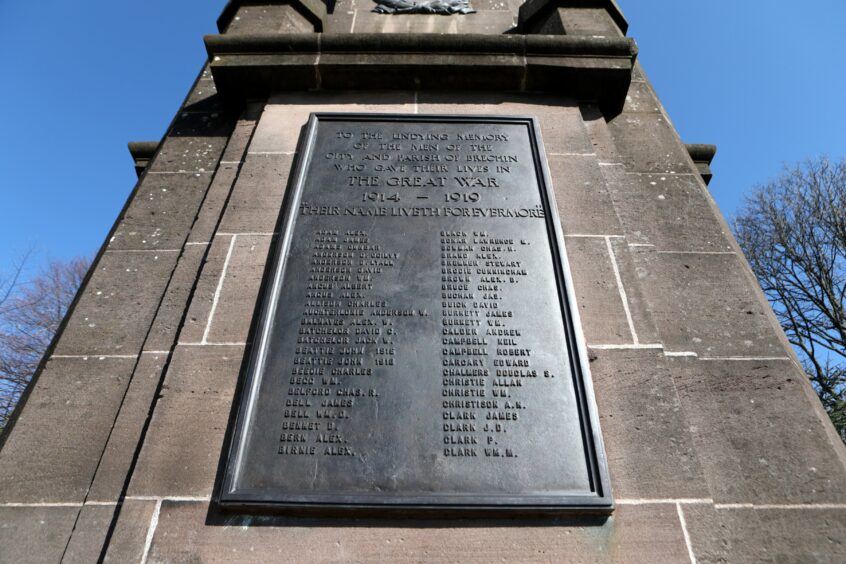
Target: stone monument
{"x":417,"y":281}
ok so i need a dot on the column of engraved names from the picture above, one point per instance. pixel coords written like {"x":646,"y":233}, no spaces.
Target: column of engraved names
{"x":484,"y":364}
{"x":344,"y":334}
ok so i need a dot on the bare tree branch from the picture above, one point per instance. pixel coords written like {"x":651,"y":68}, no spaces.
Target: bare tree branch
{"x":30,"y":314}
{"x":793,"y":231}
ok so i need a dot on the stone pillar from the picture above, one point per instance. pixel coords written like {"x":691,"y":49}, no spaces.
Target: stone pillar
{"x":717,"y":446}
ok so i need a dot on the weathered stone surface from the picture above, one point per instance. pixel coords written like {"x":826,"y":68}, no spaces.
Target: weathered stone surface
{"x":589,"y":21}
{"x":204,"y":98}
{"x":168,"y":319}
{"x":760,"y":438}
{"x":123,"y":440}
{"x":225,"y":176}
{"x":597,"y":293}
{"x":573,"y":17}
{"x":194,"y":143}
{"x":706,"y":304}
{"x":242,"y":134}
{"x":647,"y":143}
{"x":643,"y":533}
{"x":747,"y":534}
{"x":35,"y":534}
{"x":651,"y":454}
{"x":89,"y":534}
{"x":118,"y":305}
{"x":130,"y":534}
{"x":235,"y":296}
{"x":183,"y":445}
{"x":280,"y":18}
{"x":196,"y":321}
{"x":214,"y":203}
{"x":670,"y":211}
{"x":584,"y":204}
{"x":573,"y":21}
{"x":601,"y":139}
{"x":641,"y":98}
{"x":161,"y":213}
{"x":286,"y":114}
{"x":639,"y":307}
{"x":562,"y":129}
{"x":257,"y":197}
{"x":79,"y":397}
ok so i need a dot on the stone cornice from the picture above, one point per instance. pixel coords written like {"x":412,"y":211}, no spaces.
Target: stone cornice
{"x":142,"y":153}
{"x":587,"y":68}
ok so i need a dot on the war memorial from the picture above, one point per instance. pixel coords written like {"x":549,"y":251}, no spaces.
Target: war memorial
{"x":421,"y":281}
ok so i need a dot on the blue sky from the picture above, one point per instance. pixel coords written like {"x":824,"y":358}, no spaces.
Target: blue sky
{"x":762,"y":80}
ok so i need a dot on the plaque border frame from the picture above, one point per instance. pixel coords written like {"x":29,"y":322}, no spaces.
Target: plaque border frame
{"x":229,"y":497}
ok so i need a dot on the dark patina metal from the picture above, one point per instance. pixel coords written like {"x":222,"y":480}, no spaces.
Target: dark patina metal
{"x":418,"y":347}
{"x":440,"y":7}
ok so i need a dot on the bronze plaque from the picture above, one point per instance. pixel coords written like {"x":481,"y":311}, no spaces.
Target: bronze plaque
{"x":418,"y":347}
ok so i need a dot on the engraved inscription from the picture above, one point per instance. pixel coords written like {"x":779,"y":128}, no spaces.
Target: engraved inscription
{"x":416,"y":343}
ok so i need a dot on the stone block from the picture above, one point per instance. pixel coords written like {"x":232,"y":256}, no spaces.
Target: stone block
{"x":597,"y":293}
{"x":639,"y":306}
{"x":214,"y":203}
{"x":588,"y":21}
{"x":130,"y":534}
{"x":705,"y":303}
{"x":753,"y":534}
{"x":197,"y":318}
{"x":182,"y":448}
{"x":54,"y":448}
{"x":562,"y":128}
{"x":342,"y":19}
{"x":118,"y":305}
{"x":269,"y":18}
{"x":35,"y":534}
{"x":114,"y":467}
{"x":240,"y":289}
{"x":169,"y":317}
{"x":738,"y":413}
{"x":286,"y":114}
{"x":194,"y":143}
{"x":233,"y":298}
{"x":651,"y":454}
{"x":646,"y":142}
{"x":670,"y":211}
{"x":601,"y":140}
{"x":242,"y":134}
{"x":89,"y":534}
{"x":257,"y":196}
{"x":584,"y":205}
{"x":643,"y":533}
{"x":161,"y":213}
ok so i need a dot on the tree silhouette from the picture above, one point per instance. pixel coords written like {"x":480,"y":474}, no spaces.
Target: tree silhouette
{"x":30,"y":314}
{"x":793,"y":231}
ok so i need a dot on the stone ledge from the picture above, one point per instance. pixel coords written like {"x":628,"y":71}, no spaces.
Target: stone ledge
{"x":142,"y":153}
{"x":702,"y":156}
{"x":313,"y":10}
{"x":587,"y":68}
